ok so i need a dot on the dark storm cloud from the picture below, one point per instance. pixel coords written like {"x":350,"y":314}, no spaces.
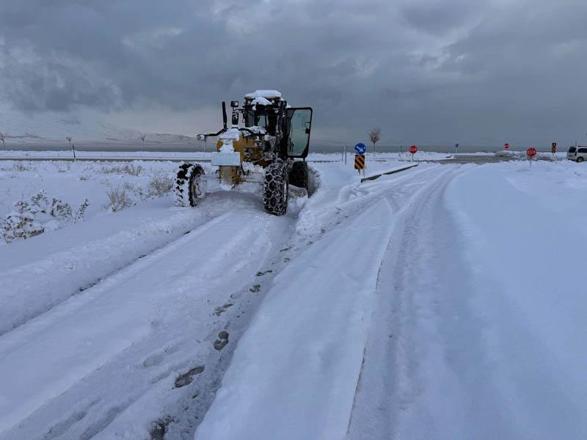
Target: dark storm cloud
{"x":424,"y":70}
{"x":439,"y":17}
{"x":53,"y":84}
{"x":179,"y":53}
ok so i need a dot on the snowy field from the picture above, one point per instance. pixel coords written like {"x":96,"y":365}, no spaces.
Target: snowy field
{"x":443,"y":302}
{"x":205,"y":156}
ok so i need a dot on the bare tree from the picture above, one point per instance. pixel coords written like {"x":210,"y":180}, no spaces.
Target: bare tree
{"x":143,"y":137}
{"x":3,"y":139}
{"x":374,"y":136}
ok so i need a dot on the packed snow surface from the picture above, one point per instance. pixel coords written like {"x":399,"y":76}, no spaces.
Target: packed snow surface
{"x":475,"y":325}
{"x":307,"y":366}
{"x":443,"y":302}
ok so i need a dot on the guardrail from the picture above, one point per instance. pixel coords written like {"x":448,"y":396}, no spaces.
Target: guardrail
{"x":387,"y":173}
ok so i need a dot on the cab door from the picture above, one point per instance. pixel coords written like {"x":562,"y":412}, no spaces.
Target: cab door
{"x":300,"y":126}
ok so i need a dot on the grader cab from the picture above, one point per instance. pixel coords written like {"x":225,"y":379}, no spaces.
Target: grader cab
{"x":267,"y":142}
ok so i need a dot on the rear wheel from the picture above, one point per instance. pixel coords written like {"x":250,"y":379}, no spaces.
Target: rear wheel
{"x":298,"y":175}
{"x":190,"y":184}
{"x":275,"y":188}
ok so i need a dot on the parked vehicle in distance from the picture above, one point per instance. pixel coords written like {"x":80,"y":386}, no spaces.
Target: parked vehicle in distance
{"x":578,"y":154}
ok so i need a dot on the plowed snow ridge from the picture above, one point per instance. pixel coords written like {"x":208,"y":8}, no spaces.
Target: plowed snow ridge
{"x":32,"y":289}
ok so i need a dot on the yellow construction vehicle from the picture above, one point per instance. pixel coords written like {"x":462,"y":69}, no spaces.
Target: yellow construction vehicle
{"x":265,"y":134}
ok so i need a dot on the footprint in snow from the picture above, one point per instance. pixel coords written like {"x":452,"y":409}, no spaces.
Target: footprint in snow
{"x":188,"y":377}
{"x":221,"y":341}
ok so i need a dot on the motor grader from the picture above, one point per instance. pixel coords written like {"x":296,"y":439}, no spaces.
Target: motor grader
{"x":267,"y":143}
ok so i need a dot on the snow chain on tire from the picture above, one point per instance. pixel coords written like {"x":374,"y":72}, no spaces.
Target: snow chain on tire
{"x":298,"y":176}
{"x":188,"y":185}
{"x":275,"y":188}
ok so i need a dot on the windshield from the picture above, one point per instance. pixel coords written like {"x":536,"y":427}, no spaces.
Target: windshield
{"x":261,"y":118}
{"x":572,"y":149}
{"x":253,"y":119}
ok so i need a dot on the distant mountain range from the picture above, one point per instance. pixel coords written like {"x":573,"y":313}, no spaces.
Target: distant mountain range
{"x":38,"y":128}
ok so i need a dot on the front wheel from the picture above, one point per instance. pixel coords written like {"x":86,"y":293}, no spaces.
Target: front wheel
{"x":580,"y":159}
{"x":190,"y":184}
{"x":275,"y":188}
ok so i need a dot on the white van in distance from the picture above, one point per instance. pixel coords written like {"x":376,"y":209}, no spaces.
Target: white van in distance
{"x":578,"y":154}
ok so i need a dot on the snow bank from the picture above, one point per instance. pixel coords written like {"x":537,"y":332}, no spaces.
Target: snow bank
{"x":107,"y":154}
{"x":294,"y":372}
{"x":374,"y":159}
{"x":50,"y":278}
{"x":336,"y":156}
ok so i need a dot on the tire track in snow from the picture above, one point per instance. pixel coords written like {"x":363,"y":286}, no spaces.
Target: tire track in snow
{"x":319,"y":313}
{"x":162,"y":299}
{"x":316,"y":318}
{"x":42,"y":285}
{"x":389,"y":378}
{"x":428,"y":371}
{"x":331,"y":206}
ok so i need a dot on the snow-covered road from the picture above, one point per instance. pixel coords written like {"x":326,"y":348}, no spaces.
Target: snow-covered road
{"x":468,"y":325}
{"x":74,"y":369}
{"x":321,"y":314}
{"x":479,"y":328}
{"x":418,"y":271}
{"x":432,"y":304}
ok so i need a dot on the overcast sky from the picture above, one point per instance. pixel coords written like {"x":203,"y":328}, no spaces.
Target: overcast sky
{"x":425,"y":71}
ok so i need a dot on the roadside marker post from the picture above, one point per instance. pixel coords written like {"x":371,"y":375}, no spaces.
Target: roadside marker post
{"x":360,"y":163}
{"x":553,"y":149}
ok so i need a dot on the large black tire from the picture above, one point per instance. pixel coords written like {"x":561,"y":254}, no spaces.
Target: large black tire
{"x":275,"y":188}
{"x":298,"y":175}
{"x":189,"y":185}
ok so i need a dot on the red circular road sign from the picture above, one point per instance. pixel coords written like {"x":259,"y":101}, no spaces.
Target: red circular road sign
{"x":506,"y":146}
{"x":531,"y":152}
{"x":413,"y":149}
